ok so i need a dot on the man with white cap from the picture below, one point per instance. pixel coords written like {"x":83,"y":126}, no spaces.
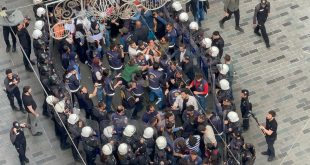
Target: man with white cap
{"x":162,"y":151}
{"x":149,"y":141}
{"x":90,"y":144}
{"x":125,"y":154}
{"x":107,"y":156}
{"x":108,"y":134}
{"x":129,"y":137}
{"x":232,"y":124}
{"x":60,"y":119}
{"x":38,"y":43}
{"x":225,"y":92}
{"x":75,"y":126}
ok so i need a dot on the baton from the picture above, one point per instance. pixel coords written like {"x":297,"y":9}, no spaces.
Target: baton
{"x":254,"y":117}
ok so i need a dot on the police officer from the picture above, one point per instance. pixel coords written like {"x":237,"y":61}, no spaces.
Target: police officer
{"x":196,"y":36}
{"x":38,"y":44}
{"x":60,"y":124}
{"x":261,"y":13}
{"x":107,"y":156}
{"x":109,"y":88}
{"x":156,"y":81}
{"x":232,"y":124}
{"x":7,"y":30}
{"x":119,"y":120}
{"x":204,"y":47}
{"x":129,"y":101}
{"x":149,"y":141}
{"x":18,"y":139}
{"x":225,"y":92}
{"x":270,"y":131}
{"x":245,"y":107}
{"x":172,"y":37}
{"x":75,"y":126}
{"x":222,"y":73}
{"x":125,"y":154}
{"x":40,"y":13}
{"x":248,"y":154}
{"x":97,"y":76}
{"x":90,"y":144}
{"x":162,"y":151}
{"x":130,"y":137}
{"x":11,"y":82}
{"x":25,"y":41}
{"x":115,"y":58}
{"x":100,"y":114}
{"x":73,"y":83}
{"x":218,"y":41}
{"x":108,"y":135}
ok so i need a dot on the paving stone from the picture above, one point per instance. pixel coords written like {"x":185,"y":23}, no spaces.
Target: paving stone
{"x":304,"y":18}
{"x":288,"y":162}
{"x":292,"y":86}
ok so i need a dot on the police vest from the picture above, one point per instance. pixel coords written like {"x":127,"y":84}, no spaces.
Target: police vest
{"x":127,"y":98}
{"x":115,"y":62}
{"x":90,"y":143}
{"x":154,"y":78}
{"x":138,"y":91}
{"x":108,"y":87}
{"x":94,"y":70}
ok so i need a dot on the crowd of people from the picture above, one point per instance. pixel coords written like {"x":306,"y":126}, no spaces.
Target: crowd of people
{"x":165,"y":68}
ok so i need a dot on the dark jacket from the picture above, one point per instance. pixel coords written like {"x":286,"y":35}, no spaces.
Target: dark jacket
{"x":24,"y":38}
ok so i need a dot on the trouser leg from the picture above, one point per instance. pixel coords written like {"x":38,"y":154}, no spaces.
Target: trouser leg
{"x":26,"y":54}
{"x":256,"y":29}
{"x":14,"y":28}
{"x":18,"y":98}
{"x":226,"y":18}
{"x":237,"y":17}
{"x":270,"y":149}
{"x":6,"y":32}
{"x":21,"y":149}
{"x":10,"y":96}
{"x":32,"y":121}
{"x":264,"y":33}
{"x":75,"y":151}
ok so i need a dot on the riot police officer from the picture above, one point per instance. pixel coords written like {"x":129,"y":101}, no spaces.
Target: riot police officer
{"x":125,"y":154}
{"x":130,"y":137}
{"x":156,"y":81}
{"x":90,"y":144}
{"x":107,"y":156}
{"x":75,"y":126}
{"x":218,"y":41}
{"x":232,"y":124}
{"x":18,"y":139}
{"x":60,"y":124}
{"x":261,"y":14}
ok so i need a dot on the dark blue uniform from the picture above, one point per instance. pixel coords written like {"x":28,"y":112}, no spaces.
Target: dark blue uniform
{"x":155,"y":82}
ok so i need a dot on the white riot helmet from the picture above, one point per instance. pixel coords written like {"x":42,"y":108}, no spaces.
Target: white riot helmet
{"x":108,"y":131}
{"x":224,"y":84}
{"x":37,"y":2}
{"x":60,"y":106}
{"x":148,"y":132}
{"x":161,"y":142}
{"x":107,"y":149}
{"x":177,"y":6}
{"x":40,"y":11}
{"x":207,"y":42}
{"x":36,"y":34}
{"x":86,"y":131}
{"x":39,"y":25}
{"x":233,"y":116}
{"x":73,"y":118}
{"x":183,"y":17}
{"x":214,"y":51}
{"x":51,"y":100}
{"x":223,"y":68}
{"x":123,"y":149}
{"x":129,"y":130}
{"x":193,"y":26}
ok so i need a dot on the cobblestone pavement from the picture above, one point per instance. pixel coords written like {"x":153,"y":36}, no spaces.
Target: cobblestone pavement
{"x":277,"y":79}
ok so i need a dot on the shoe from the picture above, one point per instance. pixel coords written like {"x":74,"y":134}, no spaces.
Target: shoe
{"x":267,"y":45}
{"x":14,"y":49}
{"x":14,"y":108}
{"x":258,"y":33}
{"x":239,"y":29}
{"x":29,"y":69}
{"x":38,"y":134}
{"x":270,"y":158}
{"x":265,"y":153}
{"x":26,"y":160}
{"x":8,"y":48}
{"x":32,"y":62}
{"x":221,"y":24}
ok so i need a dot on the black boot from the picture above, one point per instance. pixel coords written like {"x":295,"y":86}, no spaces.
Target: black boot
{"x":8,"y":48}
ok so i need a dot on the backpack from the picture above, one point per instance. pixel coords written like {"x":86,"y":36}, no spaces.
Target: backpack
{"x":12,"y":136}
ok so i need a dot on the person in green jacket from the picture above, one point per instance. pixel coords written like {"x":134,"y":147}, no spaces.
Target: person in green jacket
{"x":131,"y":68}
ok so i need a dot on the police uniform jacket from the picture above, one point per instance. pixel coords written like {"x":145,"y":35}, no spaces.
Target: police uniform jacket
{"x":74,"y":130}
{"x":261,"y":13}
{"x":155,"y":78}
{"x":115,"y":60}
